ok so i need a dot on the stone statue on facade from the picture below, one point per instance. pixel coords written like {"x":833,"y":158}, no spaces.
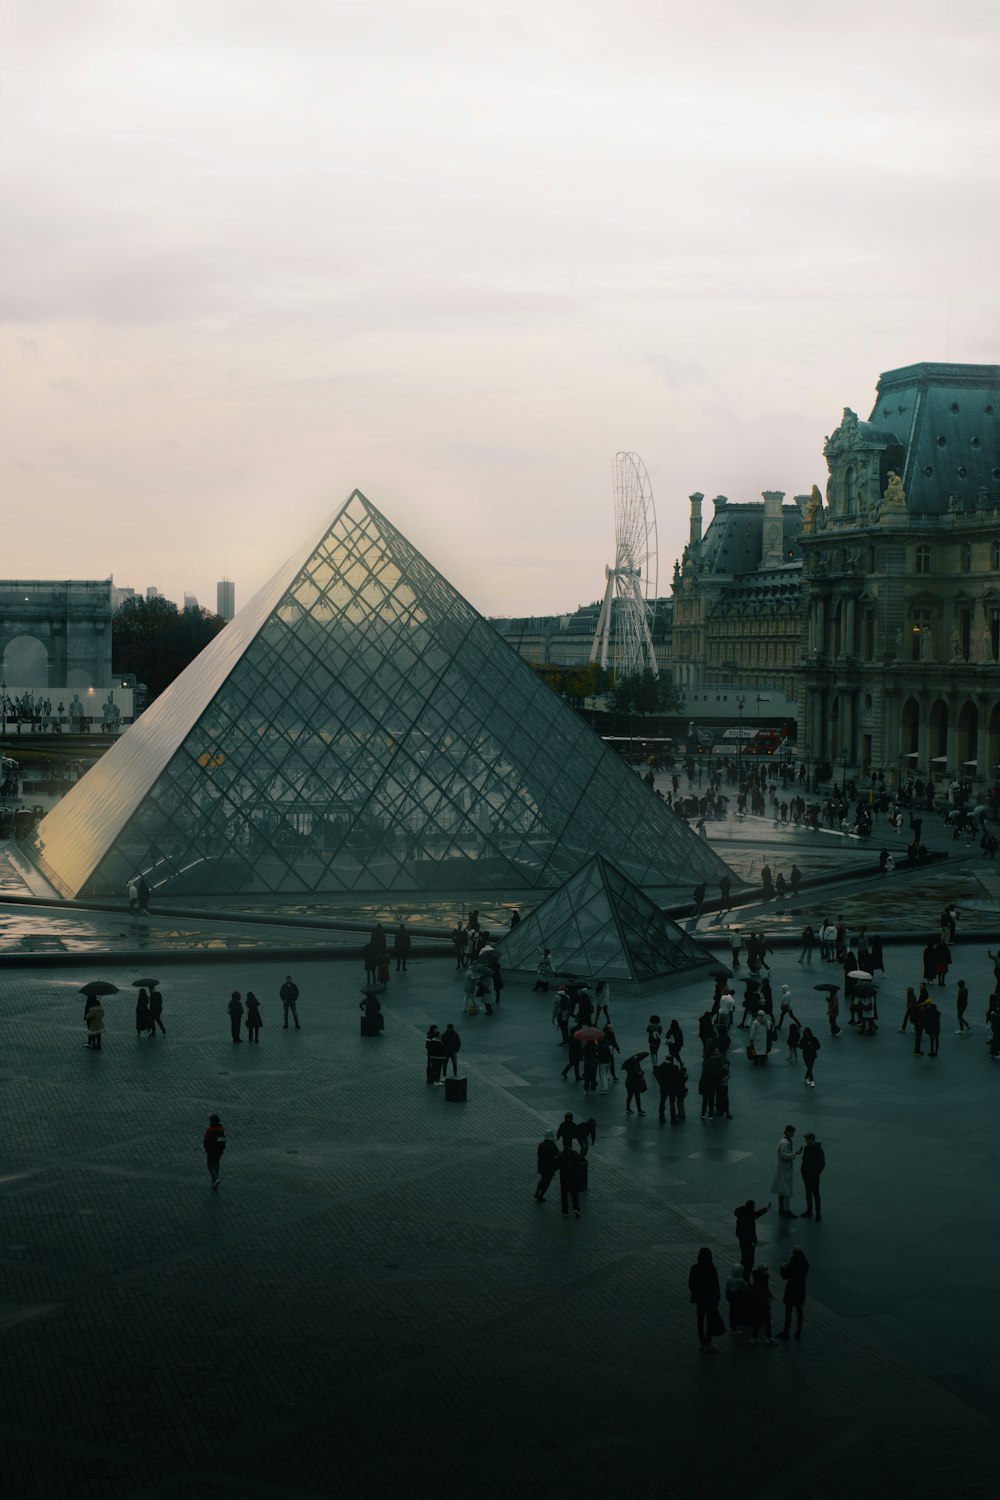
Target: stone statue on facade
{"x":957,"y":653}
{"x":899,"y":645}
{"x":894,"y":498}
{"x":986,"y":646}
{"x":925,"y":644}
{"x":813,"y":507}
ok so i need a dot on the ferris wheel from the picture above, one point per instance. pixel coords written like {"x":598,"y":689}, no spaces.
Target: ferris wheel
{"x":630,"y":593}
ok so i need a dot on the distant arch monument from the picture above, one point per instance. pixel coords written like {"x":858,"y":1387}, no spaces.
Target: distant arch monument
{"x":55,"y":633}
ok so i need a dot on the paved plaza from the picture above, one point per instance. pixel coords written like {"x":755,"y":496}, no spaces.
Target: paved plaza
{"x":373,"y":1305}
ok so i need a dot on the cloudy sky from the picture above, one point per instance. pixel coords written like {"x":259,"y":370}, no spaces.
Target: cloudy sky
{"x":457,"y":254}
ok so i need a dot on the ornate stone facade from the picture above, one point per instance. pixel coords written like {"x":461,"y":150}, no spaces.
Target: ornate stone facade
{"x":737,"y":608}
{"x":901,"y":583}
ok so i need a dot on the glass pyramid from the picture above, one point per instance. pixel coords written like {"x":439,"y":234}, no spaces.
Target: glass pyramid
{"x":601,"y":926}
{"x":360,"y":727}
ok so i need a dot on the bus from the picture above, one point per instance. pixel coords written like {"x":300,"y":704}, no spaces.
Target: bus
{"x":637,"y":751}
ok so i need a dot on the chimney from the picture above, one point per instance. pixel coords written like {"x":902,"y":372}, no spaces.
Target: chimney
{"x":773,"y":548}
{"x":696,"y":500}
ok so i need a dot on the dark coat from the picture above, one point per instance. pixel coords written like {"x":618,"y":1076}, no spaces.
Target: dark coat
{"x":703,"y":1283}
{"x":794,"y":1273}
{"x":813,"y":1161}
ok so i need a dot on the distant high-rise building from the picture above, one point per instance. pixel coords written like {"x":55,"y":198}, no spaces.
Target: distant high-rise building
{"x":119,"y":595}
{"x":153,"y":592}
{"x":225,"y":598}
{"x":190,"y":601}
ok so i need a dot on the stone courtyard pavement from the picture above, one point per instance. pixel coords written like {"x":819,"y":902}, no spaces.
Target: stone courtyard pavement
{"x":373,"y":1306}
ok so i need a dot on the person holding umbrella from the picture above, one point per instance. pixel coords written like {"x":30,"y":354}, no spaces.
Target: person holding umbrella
{"x":92,"y":992}
{"x":635,"y":1082}
{"x":156,"y":1011}
{"x":142,"y":1014}
{"x":831,"y":992}
{"x":95,"y":1022}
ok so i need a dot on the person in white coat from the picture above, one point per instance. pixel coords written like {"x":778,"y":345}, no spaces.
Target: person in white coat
{"x":784,"y":1179}
{"x":759,"y":1038}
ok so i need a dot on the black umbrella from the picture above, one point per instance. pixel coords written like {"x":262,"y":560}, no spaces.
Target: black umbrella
{"x":145,"y":984}
{"x":831,"y":989}
{"x":636,"y":1057}
{"x":98,"y":987}
{"x":866,"y":991}
{"x":719,"y":973}
{"x":373,"y":989}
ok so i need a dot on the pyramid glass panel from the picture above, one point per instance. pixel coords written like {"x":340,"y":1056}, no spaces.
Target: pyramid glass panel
{"x":600,"y":925}
{"x":359,"y":727}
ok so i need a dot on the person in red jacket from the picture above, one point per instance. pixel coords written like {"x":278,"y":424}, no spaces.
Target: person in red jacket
{"x":214,"y":1142}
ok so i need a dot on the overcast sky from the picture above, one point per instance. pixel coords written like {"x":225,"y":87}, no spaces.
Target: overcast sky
{"x":459,"y":254}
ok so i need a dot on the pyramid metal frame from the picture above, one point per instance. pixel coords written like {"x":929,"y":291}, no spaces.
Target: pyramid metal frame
{"x":600,"y":925}
{"x":359,"y":727}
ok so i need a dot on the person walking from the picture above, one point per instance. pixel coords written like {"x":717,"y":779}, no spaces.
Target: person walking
{"x":909,"y":1009}
{"x":713,"y":1072}
{"x":95,"y":1024}
{"x":810,"y":1048}
{"x":602,"y":1001}
{"x":635,"y":1084}
{"x":548,"y":1165}
{"x":942,"y":960}
{"x":783,"y":1182}
{"x":289,"y":994}
{"x":156,"y":1012}
{"x":786,"y":1008}
{"x":806,"y":944}
{"x":214,"y":1142}
{"x":401,"y":945}
{"x":813,"y":1163}
{"x":573,"y":1058}
{"x":703,"y":1286}
{"x":604,"y":1060}
{"x":235,"y":1008}
{"x":452,"y":1044}
{"x":654,"y":1036}
{"x":590,"y":1060}
{"x":793,"y":1037}
{"x":571,"y":1172}
{"x":562,"y":1010}
{"x":586,"y":1135}
{"x":832,"y":1012}
{"x":746,"y":1217}
{"x":253,"y":1020}
{"x":794,"y":1273}
{"x":142,"y":1014}
{"x":961,"y":1006}
{"x":675,"y":1040}
{"x":381,"y":970}
{"x":370,"y":958}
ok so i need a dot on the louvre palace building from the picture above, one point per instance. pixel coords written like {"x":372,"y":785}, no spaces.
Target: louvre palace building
{"x":877,"y":609}
{"x":900,"y":600}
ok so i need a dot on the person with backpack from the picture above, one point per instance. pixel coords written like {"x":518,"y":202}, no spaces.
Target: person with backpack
{"x":654,"y":1036}
{"x":214,"y":1142}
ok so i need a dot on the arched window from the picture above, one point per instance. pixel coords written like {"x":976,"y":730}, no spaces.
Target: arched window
{"x":965,"y":557}
{"x":847,"y":492}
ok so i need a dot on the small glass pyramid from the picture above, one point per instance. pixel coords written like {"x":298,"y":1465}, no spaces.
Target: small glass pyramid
{"x":601,"y":926}
{"x":359,"y":727}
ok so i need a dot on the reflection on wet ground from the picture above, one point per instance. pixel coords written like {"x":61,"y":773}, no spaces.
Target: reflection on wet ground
{"x":901,"y":904}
